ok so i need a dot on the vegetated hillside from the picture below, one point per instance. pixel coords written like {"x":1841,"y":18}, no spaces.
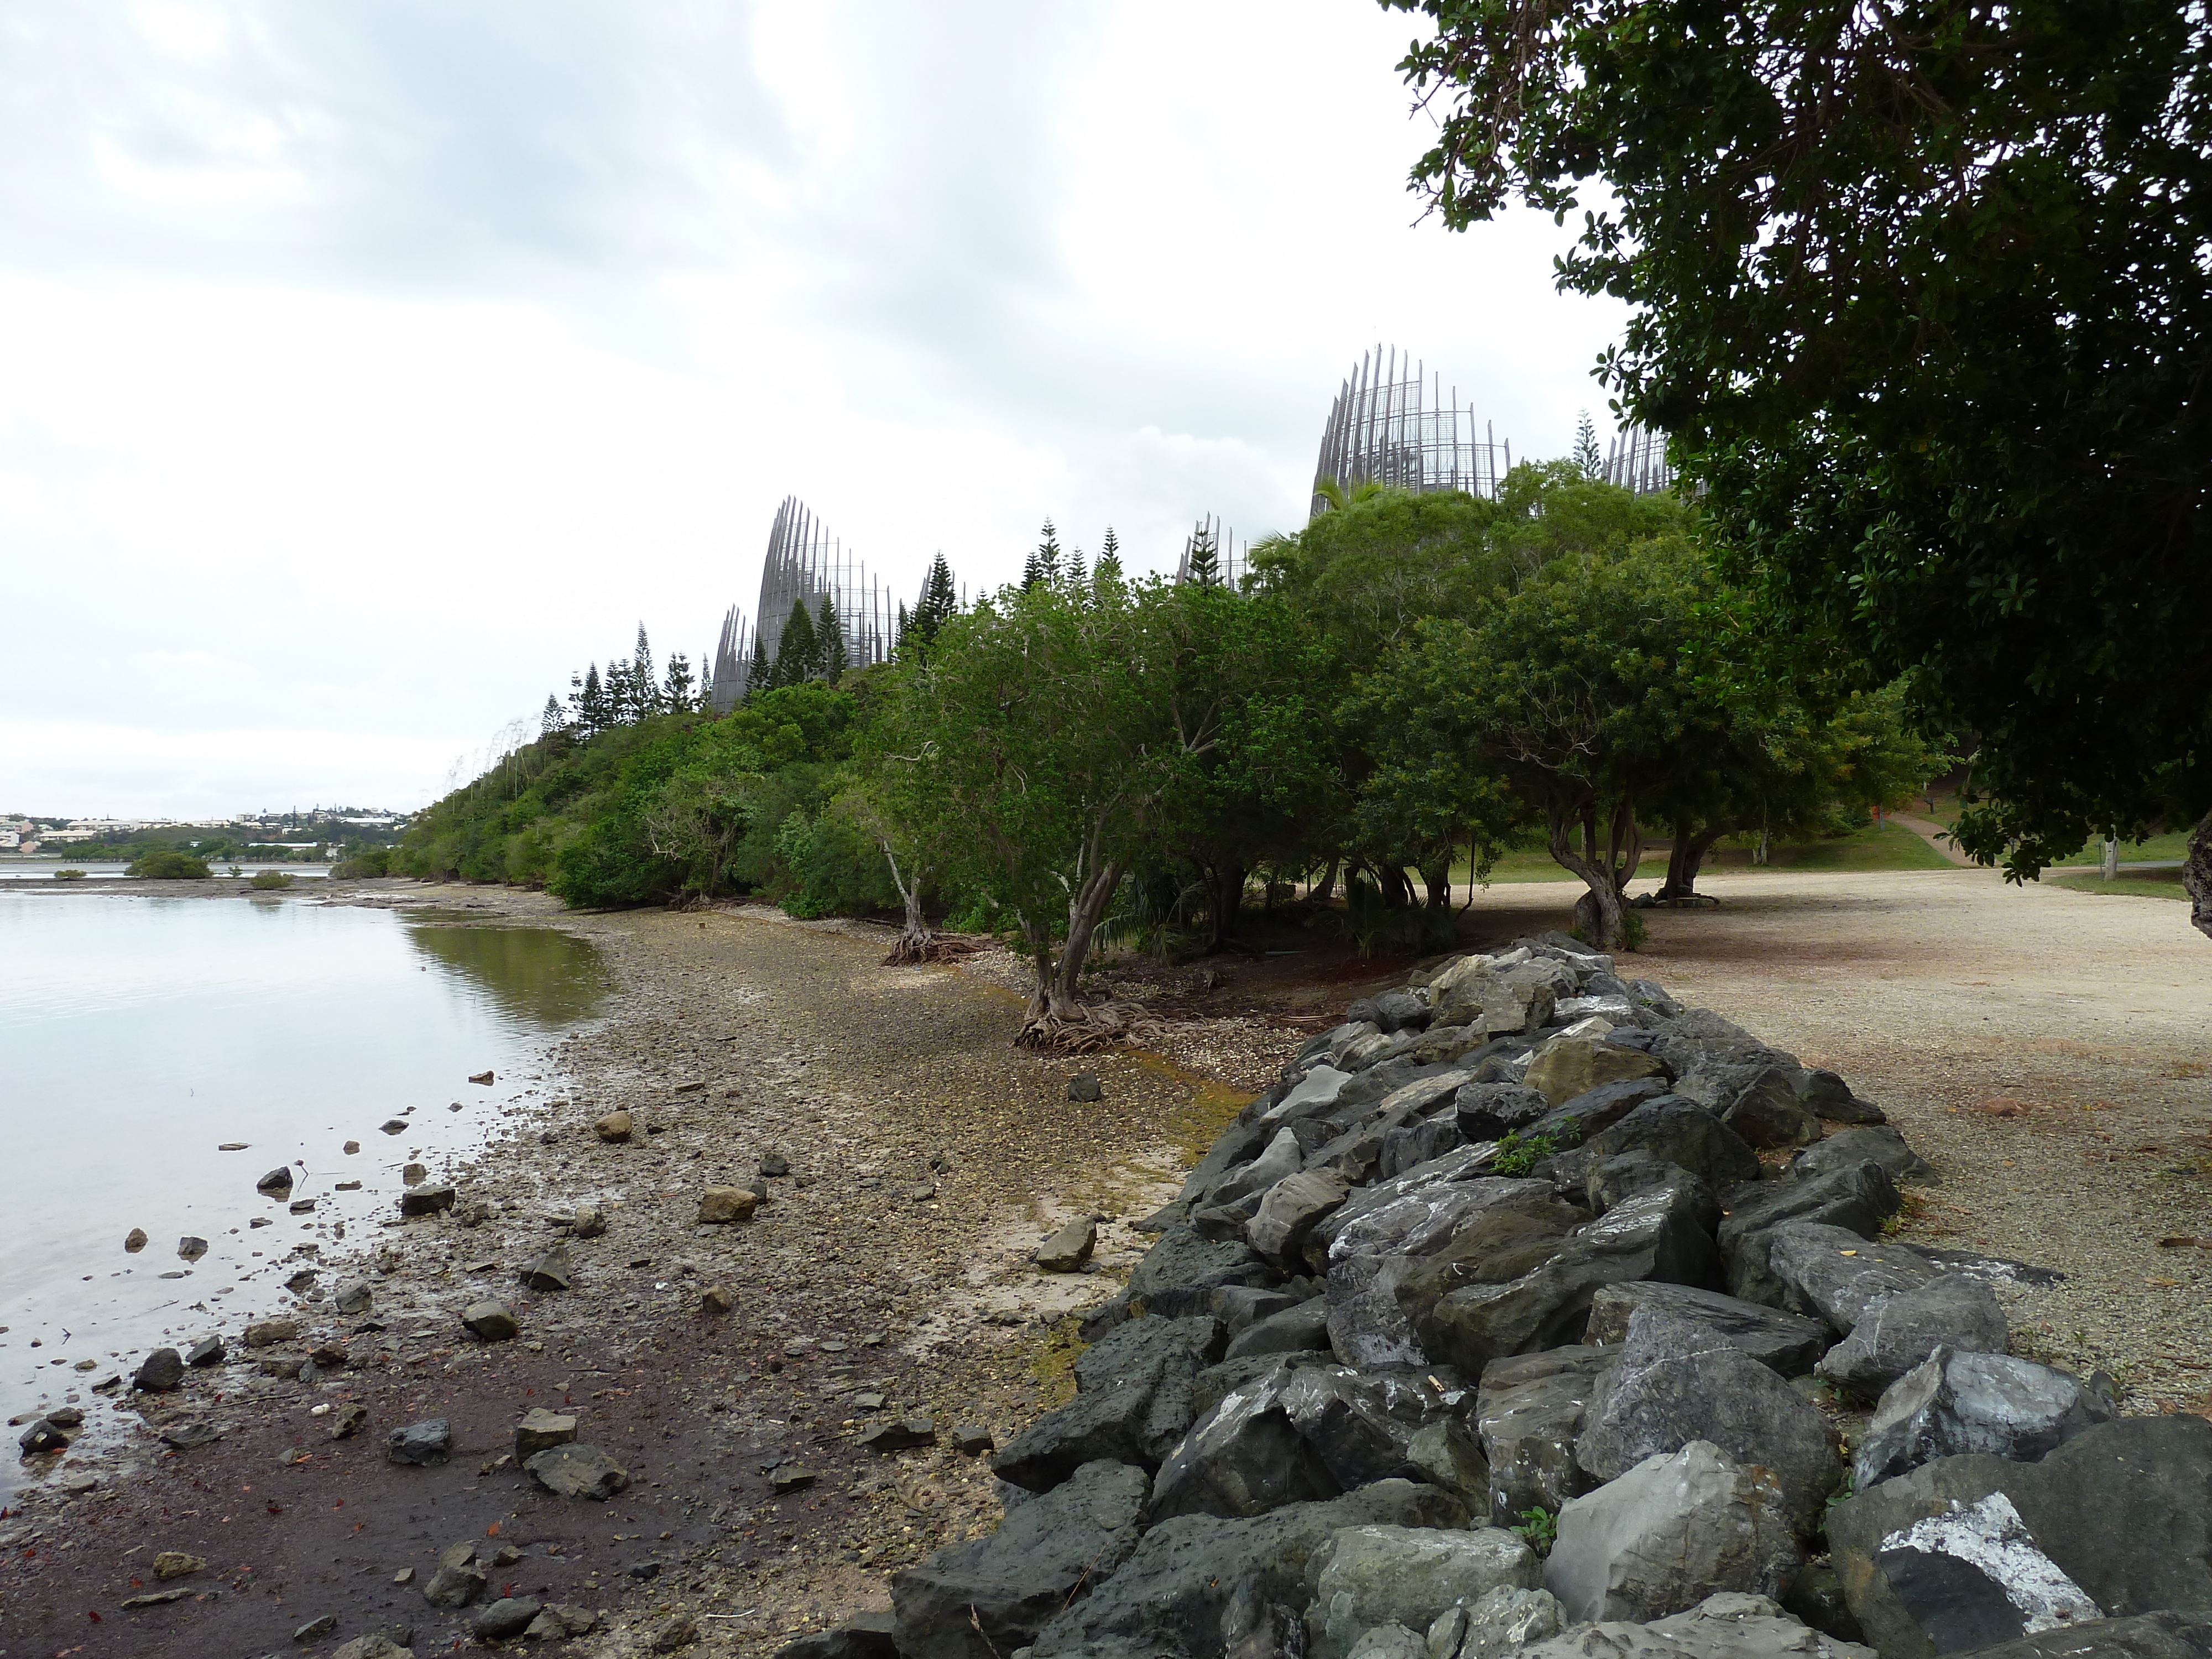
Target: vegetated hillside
{"x":671,"y":805}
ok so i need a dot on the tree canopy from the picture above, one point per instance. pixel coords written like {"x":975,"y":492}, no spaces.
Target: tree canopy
{"x":1920,"y":296}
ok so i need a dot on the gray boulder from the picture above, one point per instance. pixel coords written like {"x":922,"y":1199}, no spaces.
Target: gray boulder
{"x":1461,"y":1164}
{"x":577,"y":1471}
{"x":982,"y":1599}
{"x":1361,"y":1426}
{"x":1495,"y":1624}
{"x":1685,"y":1134}
{"x":1528,"y":1413}
{"x":1830,"y":1097}
{"x":1392,"y":1641}
{"x":1294,"y":1330}
{"x":161,"y":1371}
{"x":1314,"y":1093}
{"x":1898,"y":1334}
{"x":1409,"y":1145}
{"x":1678,"y":1381}
{"x":1244,"y":1457}
{"x":1290,"y":1210}
{"x":2162,"y":1635}
{"x":1538,"y":1295}
{"x":1280,"y":1157}
{"x":1856,"y":1197}
{"x":1180,"y":1274}
{"x":1489,"y":1111}
{"x":1375,"y":1575}
{"x":1730,"y":1626}
{"x":1672,"y":1530}
{"x":1238,"y":1307}
{"x":1787,"y":1344}
{"x":1217,"y":1383}
{"x":1966,"y":1553}
{"x":1171,"y":1594}
{"x":1767,"y":1113}
{"x":1865,"y":1145}
{"x":425,"y":1442}
{"x":1953,"y":1404}
{"x":1368,"y":1321}
{"x":1579,"y":1117}
{"x":1832,"y":1273}
{"x":1133,"y":1403}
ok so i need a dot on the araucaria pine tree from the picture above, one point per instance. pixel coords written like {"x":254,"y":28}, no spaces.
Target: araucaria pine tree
{"x":676,"y":694}
{"x":1205,"y":558}
{"x":550,"y":719}
{"x":644,"y":680}
{"x":763,"y":674}
{"x":1110,"y":557}
{"x":1588,"y":461}
{"x":830,"y":641}
{"x":1044,"y":564}
{"x":798,"y":657}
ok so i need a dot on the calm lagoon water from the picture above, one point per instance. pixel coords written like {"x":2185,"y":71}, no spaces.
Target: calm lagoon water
{"x":139,"y":1033}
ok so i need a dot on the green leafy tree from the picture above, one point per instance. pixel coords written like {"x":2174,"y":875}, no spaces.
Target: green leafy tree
{"x":1919,"y":296}
{"x":1574,"y":693}
{"x":1045,"y":735}
{"x":167,"y":864}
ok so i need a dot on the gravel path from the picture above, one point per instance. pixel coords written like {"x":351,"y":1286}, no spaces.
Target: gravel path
{"x":2046,"y":1050}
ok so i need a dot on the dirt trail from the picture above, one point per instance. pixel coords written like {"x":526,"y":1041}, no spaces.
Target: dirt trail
{"x":2047,"y":1050}
{"x":1936,"y":836}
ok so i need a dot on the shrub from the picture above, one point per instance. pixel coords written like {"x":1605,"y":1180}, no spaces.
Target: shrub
{"x":69,"y":875}
{"x":269,"y":881}
{"x":361,"y":861}
{"x":168,"y":864}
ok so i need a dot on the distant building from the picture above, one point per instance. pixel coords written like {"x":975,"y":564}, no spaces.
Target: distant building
{"x":806,"y":565}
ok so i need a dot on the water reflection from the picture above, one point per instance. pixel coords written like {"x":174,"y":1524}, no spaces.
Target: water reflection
{"x":532,"y":973}
{"x":143,"y":1036}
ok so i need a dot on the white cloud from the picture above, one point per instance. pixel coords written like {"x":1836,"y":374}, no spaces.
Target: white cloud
{"x":374,"y":363}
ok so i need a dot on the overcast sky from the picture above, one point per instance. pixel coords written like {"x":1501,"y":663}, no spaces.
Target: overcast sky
{"x":367,"y":366}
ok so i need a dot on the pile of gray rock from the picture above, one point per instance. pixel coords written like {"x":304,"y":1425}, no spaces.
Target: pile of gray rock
{"x":1532,"y":1313}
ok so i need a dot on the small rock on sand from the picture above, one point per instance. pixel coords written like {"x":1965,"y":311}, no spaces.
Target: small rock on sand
{"x":575,"y":1471}
{"x":135,"y":1240}
{"x":614,"y":1126}
{"x":161,"y":1370}
{"x":718,"y":1204}
{"x":490,"y":1322}
{"x":1070,"y":1248}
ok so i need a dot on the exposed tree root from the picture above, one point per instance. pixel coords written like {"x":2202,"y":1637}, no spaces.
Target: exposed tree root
{"x":911,"y":950}
{"x":1094,"y":1026}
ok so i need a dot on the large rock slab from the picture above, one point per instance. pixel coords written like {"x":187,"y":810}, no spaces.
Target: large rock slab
{"x":1291,"y":1210}
{"x":1180,"y":1274}
{"x":1468,"y":1310}
{"x":1856,"y":1197}
{"x":1672,"y":1530}
{"x":2162,"y":1635}
{"x":1966,"y":1553}
{"x":1371,"y":1257}
{"x":1489,"y":1111}
{"x":1578,"y":1118}
{"x":1678,"y":1381}
{"x":984,"y":1598}
{"x":1682,"y":1132}
{"x":1170,"y":1594}
{"x":1529,"y":1412}
{"x":1368,"y":1575}
{"x":1133,"y":1403}
{"x":1955,"y":1404}
{"x":1567,"y":1066}
{"x":1787,"y":1344}
{"x":1244,"y":1457}
{"x":1864,"y":1144}
{"x":1362,"y":1425}
{"x":1896,"y":1335}
{"x":1832,"y":1273}
{"x":1282,"y":1156}
{"x":1730,"y":1626}
{"x":1294,"y":1330}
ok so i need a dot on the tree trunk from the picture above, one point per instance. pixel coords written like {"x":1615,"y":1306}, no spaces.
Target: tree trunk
{"x":1598,"y":913}
{"x":1227,"y":905}
{"x":2111,"y":870}
{"x":1325,"y":890}
{"x":2197,"y":876}
{"x":1086,"y":909}
{"x":1688,"y":857}
{"x":916,"y":938}
{"x":1437,"y":880}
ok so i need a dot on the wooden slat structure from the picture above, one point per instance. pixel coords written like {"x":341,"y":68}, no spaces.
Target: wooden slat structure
{"x":1392,"y":424}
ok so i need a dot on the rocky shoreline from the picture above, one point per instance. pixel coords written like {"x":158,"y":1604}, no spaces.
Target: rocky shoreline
{"x":1531,"y":1311}
{"x":735,"y":1371}
{"x":888,"y":1150}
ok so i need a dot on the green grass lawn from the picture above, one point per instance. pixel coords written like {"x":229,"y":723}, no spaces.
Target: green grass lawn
{"x":1868,"y":848}
{"x":2142,"y":883}
{"x":2172,"y":845}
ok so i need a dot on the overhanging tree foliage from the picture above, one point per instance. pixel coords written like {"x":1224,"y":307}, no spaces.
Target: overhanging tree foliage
{"x":1921,"y":295}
